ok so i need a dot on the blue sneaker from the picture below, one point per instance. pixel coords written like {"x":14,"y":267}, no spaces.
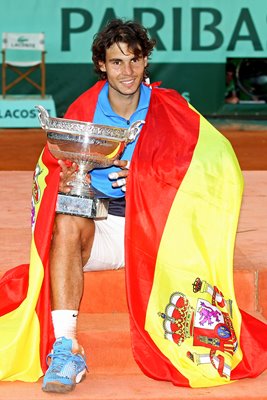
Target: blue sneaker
{"x":66,"y":368}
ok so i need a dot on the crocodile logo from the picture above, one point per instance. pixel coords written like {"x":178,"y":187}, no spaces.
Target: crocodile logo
{"x":22,"y":40}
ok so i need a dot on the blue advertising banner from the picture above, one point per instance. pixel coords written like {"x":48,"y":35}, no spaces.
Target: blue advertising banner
{"x":185,"y":30}
{"x":19,"y":111}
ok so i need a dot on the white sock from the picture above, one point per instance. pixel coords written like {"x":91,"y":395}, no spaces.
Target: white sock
{"x":65,"y":323}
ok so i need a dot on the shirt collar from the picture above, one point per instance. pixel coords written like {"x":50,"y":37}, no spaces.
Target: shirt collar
{"x":106,"y":108}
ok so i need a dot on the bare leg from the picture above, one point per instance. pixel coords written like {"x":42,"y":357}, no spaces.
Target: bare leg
{"x":70,"y":249}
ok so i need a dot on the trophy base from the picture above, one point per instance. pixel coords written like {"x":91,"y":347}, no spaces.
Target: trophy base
{"x":82,"y":206}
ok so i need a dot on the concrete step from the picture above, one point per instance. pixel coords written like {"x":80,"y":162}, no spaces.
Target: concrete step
{"x":106,"y":340}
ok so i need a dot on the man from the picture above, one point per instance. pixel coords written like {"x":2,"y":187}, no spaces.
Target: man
{"x":120,"y":56}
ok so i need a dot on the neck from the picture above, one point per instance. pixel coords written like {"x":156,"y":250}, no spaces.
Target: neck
{"x":123,"y":105}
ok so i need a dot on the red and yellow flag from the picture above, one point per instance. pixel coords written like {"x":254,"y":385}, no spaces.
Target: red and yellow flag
{"x":26,"y":332}
{"x":183,"y":200}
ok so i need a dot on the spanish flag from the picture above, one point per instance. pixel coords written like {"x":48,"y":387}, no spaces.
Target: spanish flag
{"x":25,"y":321}
{"x":184,"y":194}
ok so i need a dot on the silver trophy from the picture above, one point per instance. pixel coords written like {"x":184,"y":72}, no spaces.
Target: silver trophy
{"x":90,"y":146}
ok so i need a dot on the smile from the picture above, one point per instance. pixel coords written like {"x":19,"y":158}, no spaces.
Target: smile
{"x":128,"y":82}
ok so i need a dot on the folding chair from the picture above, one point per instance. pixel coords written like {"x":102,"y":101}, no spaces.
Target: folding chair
{"x":23,"y":53}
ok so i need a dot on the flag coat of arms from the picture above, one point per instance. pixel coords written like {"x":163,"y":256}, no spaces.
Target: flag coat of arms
{"x":183,"y":198}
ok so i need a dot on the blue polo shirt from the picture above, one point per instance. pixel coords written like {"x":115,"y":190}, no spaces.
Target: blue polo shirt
{"x":106,"y":116}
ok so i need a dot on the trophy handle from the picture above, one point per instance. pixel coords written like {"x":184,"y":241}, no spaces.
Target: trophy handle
{"x":43,"y":116}
{"x":134,"y":130}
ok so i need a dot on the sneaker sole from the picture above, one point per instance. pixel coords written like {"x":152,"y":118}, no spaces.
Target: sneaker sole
{"x":57,"y":387}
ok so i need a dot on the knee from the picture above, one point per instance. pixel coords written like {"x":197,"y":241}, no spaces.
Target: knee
{"x":72,"y":229}
{"x":65,"y":226}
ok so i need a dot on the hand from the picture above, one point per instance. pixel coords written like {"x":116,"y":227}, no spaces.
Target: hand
{"x":120,"y":176}
{"x":66,"y":176}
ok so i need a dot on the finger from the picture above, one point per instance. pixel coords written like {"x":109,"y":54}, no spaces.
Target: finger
{"x":73,"y":168}
{"x":63,"y":166}
{"x":121,"y":182}
{"x":65,"y":188}
{"x":88,"y":178}
{"x":122,"y":164}
{"x":113,"y":175}
{"x":66,"y":177}
{"x":66,"y":167}
{"x":127,"y":166}
{"x":117,"y":175}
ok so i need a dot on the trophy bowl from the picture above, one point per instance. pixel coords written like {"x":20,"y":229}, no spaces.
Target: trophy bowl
{"x":90,"y":146}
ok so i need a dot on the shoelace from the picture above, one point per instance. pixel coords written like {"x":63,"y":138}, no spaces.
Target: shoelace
{"x":59,"y":357}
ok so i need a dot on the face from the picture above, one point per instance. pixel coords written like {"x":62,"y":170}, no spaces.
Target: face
{"x":124,"y":70}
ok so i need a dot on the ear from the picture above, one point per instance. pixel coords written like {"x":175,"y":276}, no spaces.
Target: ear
{"x":102,"y":66}
{"x":145,"y":60}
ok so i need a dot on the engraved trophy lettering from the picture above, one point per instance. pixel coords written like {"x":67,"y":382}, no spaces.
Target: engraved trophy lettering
{"x":90,"y":146}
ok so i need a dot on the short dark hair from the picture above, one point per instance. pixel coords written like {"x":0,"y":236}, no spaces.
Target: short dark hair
{"x":120,"y":31}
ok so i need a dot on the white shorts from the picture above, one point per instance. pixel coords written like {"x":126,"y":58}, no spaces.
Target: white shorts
{"x":108,"y":246}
